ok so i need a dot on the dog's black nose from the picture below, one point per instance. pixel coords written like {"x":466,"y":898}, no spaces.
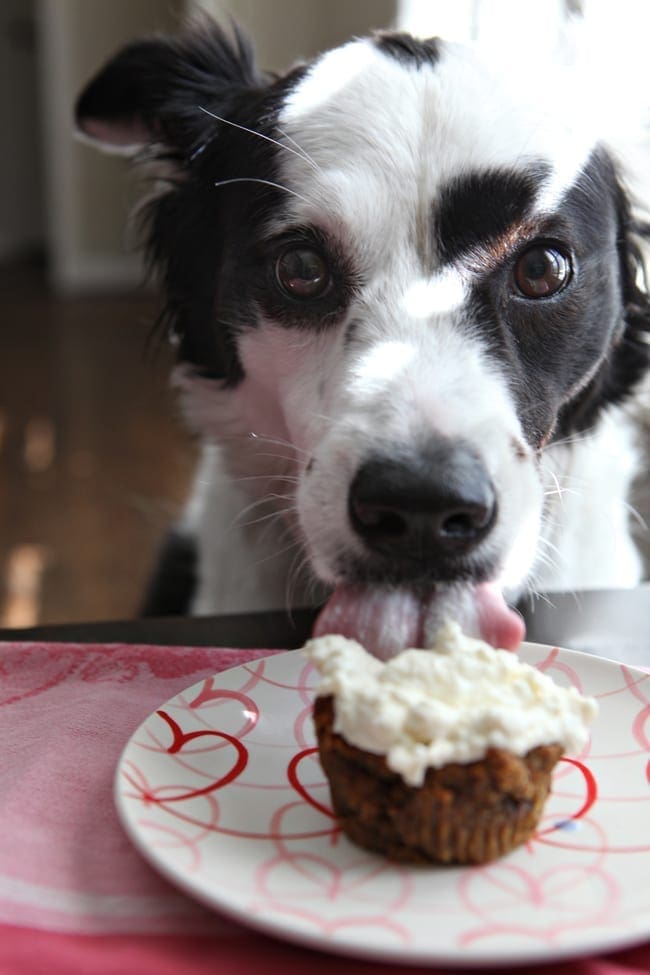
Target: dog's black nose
{"x":436,"y":503}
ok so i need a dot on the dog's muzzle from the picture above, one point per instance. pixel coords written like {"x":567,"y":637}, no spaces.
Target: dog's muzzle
{"x":420,"y":518}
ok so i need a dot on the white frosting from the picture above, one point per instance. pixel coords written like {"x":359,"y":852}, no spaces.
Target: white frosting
{"x":427,"y":708}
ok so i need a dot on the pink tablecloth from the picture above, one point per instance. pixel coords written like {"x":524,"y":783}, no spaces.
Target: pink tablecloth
{"x":75,"y":897}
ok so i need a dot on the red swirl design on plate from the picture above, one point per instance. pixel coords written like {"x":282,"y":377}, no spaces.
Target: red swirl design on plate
{"x":591,"y":786}
{"x":181,"y":738}
{"x":553,"y":662}
{"x":242,"y":804}
{"x":591,"y":794}
{"x":292,"y":775}
{"x":508,"y":899}
{"x":643,"y":717}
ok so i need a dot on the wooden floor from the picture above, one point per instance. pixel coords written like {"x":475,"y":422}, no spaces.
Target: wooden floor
{"x":94,"y":463}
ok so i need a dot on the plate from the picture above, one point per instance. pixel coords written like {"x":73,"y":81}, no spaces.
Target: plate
{"x":221,"y":790}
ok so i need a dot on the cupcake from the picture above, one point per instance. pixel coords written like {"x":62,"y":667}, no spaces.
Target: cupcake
{"x":442,"y":755}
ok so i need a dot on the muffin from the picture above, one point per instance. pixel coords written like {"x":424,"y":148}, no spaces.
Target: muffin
{"x":441,"y":755}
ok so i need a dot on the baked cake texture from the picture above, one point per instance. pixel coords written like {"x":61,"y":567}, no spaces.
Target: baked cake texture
{"x":441,"y":755}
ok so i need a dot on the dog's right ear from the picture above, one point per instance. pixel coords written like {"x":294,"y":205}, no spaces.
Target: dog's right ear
{"x":159,"y":91}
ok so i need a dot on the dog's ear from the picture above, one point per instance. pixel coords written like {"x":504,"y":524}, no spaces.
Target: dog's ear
{"x":159,"y":91}
{"x":628,"y":360}
{"x":631,"y":359}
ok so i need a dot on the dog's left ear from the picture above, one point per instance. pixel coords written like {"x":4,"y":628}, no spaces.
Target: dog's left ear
{"x":631,"y":359}
{"x":158,"y":91}
{"x":628,"y":360}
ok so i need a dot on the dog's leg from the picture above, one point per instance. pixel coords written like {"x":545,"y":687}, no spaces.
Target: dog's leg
{"x":173,"y":583}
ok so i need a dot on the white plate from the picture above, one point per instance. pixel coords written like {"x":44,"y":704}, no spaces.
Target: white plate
{"x":221,"y":792}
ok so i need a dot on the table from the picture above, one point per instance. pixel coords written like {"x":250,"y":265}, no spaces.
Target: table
{"x":273,"y":630}
{"x":75,"y":896}
{"x":613,"y":623}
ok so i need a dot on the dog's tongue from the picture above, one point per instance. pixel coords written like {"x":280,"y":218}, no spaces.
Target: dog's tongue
{"x":386,"y":621}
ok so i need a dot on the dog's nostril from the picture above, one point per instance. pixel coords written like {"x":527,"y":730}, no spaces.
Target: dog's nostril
{"x":468,"y":523}
{"x":377,"y":519}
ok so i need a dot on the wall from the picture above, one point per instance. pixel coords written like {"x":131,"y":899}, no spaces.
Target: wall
{"x":88,"y":194}
{"x":22,"y":217}
{"x":286,"y":31}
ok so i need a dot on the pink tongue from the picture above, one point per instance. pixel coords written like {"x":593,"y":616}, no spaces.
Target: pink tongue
{"x":498,"y":623}
{"x":386,"y":621}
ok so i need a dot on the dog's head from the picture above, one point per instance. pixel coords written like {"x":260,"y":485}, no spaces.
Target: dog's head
{"x":414,"y":274}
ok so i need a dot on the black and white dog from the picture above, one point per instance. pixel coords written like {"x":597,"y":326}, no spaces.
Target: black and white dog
{"x":410,"y":313}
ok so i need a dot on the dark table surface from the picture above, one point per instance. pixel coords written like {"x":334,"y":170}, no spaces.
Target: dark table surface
{"x":610,"y":623}
{"x":272,"y":630}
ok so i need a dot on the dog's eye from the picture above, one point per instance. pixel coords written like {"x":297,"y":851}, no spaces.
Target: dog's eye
{"x":302,"y":273}
{"x":542,"y":271}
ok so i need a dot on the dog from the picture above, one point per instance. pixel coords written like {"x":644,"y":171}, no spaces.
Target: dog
{"x":411,"y":320}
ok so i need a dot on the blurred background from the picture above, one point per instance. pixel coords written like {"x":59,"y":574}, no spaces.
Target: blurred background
{"x":94,"y":460}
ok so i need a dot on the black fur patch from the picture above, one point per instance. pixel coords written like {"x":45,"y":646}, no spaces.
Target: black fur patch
{"x":409,"y":50}
{"x":476,"y":209}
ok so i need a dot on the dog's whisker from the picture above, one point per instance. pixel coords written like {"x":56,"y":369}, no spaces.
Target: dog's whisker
{"x":636,"y":515}
{"x":257,"y":503}
{"x":548,"y":554}
{"x":301,"y":570}
{"x":265,"y":501}
{"x":558,"y":488}
{"x":277,"y":553}
{"x":300,"y":149}
{"x":264,"y":182}
{"x":565,"y":476}
{"x":545,"y":562}
{"x":246,"y":478}
{"x":261,"y":135}
{"x":277,"y":440}
{"x":547,"y":543}
{"x":542,"y":597}
{"x":226,"y":439}
{"x":299,"y":563}
{"x":284,"y":532}
{"x":559,"y":491}
{"x":275,"y":456}
{"x":277,"y":515}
